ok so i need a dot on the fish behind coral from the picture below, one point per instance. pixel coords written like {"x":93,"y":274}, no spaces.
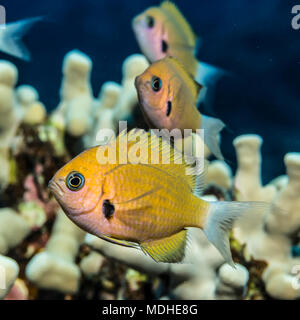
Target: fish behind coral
{"x":143,"y":205}
{"x":11,"y":35}
{"x":168,"y":96}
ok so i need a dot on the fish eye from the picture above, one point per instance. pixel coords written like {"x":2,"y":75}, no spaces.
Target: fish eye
{"x":150,"y":21}
{"x":75,"y":181}
{"x":156,"y":84}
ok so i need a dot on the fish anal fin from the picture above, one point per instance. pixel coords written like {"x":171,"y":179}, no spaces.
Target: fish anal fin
{"x":170,"y":249}
{"x":120,"y":242}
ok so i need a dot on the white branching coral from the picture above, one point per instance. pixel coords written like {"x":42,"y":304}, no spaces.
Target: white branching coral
{"x":268,"y":236}
{"x":249,"y":169}
{"x":9,"y":270}
{"x":13,"y":229}
{"x":219,"y":173}
{"x":76,"y":94}
{"x":104,"y":113}
{"x":91,"y":264}
{"x":33,"y":111}
{"x":55,"y":267}
{"x":83,"y":115}
{"x":232,"y":283}
{"x":9,"y":116}
{"x":133,"y":66}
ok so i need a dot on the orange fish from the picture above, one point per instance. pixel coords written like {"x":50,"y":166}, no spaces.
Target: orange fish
{"x":163,"y":31}
{"x":168,"y":95}
{"x":143,"y":205}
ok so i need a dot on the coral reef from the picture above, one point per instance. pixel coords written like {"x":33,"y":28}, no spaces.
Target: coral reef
{"x":79,"y":112}
{"x":269,"y":237}
{"x":46,"y":256}
{"x":34,"y":111}
{"x":9,"y":271}
{"x":16,"y":232}
{"x":76,"y":95}
{"x":9,"y":116}
{"x":54,"y":268}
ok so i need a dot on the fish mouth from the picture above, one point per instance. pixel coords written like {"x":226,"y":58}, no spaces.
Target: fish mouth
{"x":55,"y":188}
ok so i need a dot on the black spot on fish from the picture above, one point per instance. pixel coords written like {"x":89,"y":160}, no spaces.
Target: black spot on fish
{"x":169,"y":108}
{"x":164,"y":46}
{"x":108,"y":209}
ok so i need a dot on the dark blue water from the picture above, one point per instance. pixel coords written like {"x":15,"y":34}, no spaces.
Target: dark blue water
{"x":252,"y":39}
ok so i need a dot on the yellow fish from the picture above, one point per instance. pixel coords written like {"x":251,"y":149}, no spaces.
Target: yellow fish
{"x":143,"y":205}
{"x":168,"y":95}
{"x":163,"y":31}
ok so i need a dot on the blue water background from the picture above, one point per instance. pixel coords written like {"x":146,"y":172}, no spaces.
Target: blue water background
{"x":252,"y":39}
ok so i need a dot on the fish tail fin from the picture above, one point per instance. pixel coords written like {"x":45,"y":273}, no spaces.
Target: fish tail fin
{"x":212,"y":127}
{"x":220,"y":219}
{"x":12,"y":37}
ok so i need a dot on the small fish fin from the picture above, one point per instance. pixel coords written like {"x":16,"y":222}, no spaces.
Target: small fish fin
{"x":11,"y":42}
{"x":220,"y":219}
{"x":171,"y":10}
{"x":120,"y":242}
{"x":212,"y":127}
{"x":208,"y":75}
{"x":170,"y":249}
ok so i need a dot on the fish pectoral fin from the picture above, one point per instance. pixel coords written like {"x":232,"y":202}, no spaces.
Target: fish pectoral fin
{"x":169,"y":249}
{"x":212,"y":127}
{"x":124,"y":243}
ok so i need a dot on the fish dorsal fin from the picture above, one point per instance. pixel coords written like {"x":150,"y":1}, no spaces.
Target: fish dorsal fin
{"x":170,"y":9}
{"x":169,"y":249}
{"x":162,"y":155}
{"x":196,"y":86}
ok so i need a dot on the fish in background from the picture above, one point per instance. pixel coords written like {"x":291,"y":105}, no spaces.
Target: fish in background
{"x":168,"y":96}
{"x":143,"y":205}
{"x":11,"y":37}
{"x":163,"y":31}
